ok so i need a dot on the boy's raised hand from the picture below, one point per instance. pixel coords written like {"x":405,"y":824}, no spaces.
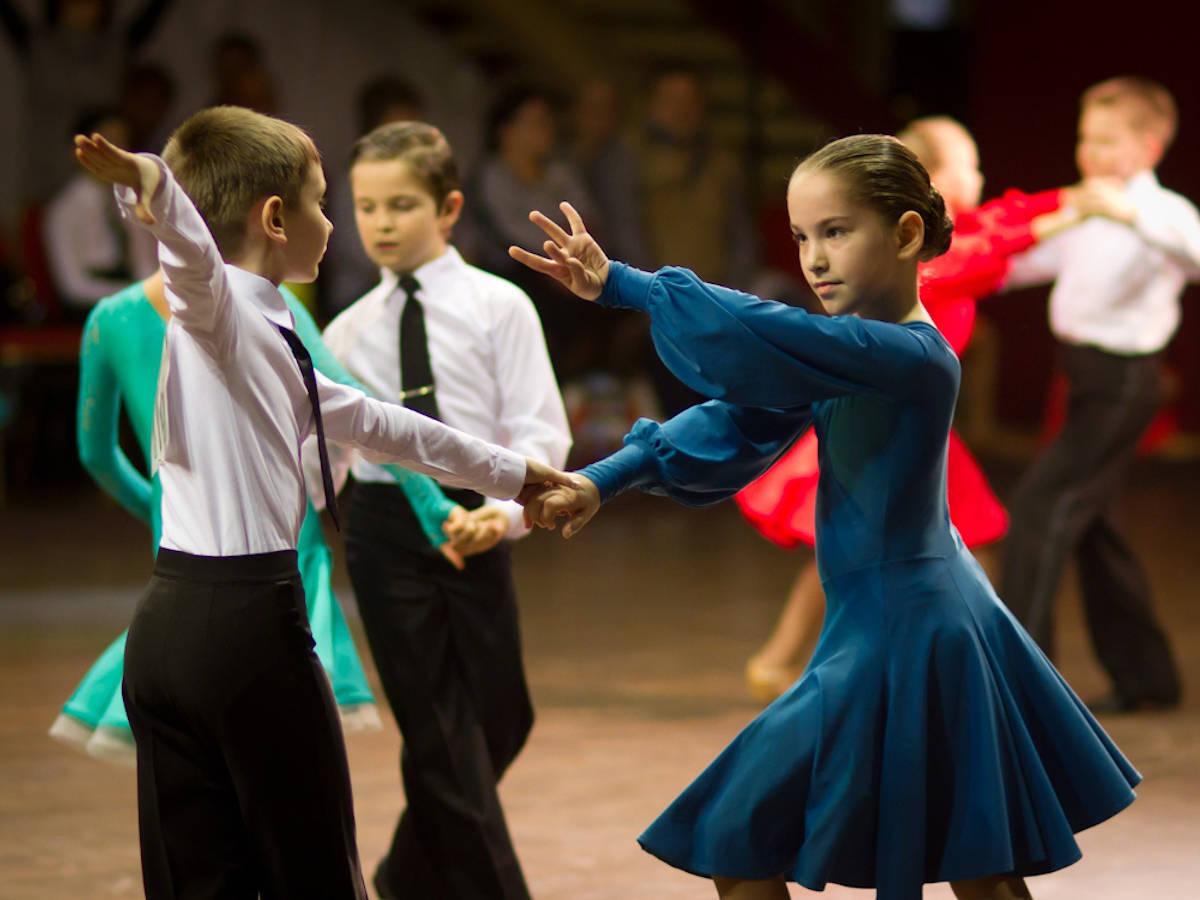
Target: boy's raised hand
{"x":574,"y":259}
{"x":111,"y":164}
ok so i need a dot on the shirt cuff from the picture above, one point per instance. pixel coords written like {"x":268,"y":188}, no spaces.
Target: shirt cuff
{"x":626,"y":288}
{"x":509,"y":475}
{"x":631,"y":466}
{"x":516,"y":517}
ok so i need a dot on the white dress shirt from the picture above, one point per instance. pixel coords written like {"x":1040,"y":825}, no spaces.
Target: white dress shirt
{"x":85,"y":235}
{"x":1117,"y":286}
{"x":491,"y":370}
{"x":232,"y":408}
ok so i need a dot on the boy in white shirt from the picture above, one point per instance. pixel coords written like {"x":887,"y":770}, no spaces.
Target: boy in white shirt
{"x":1113,"y":309}
{"x":463,"y":346}
{"x":243,"y":786}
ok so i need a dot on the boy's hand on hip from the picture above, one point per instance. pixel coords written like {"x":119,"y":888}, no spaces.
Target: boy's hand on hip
{"x":490,"y":527}
{"x":109,"y":163}
{"x":575,"y":260}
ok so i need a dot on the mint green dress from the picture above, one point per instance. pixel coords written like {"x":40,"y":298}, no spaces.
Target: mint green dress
{"x":119,"y":362}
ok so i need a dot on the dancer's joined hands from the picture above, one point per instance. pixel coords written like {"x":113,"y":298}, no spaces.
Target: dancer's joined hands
{"x":546,"y":504}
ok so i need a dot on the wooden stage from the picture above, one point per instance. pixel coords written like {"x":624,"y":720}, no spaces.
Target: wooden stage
{"x":636,"y":633}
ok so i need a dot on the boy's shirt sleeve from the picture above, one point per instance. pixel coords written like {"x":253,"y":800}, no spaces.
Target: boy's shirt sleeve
{"x":387,"y":432}
{"x":197,"y":288}
{"x":1170,"y":223}
{"x":531,"y":417}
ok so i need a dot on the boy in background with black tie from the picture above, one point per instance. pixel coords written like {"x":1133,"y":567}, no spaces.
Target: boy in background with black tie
{"x":466,"y":347}
{"x":243,"y":786}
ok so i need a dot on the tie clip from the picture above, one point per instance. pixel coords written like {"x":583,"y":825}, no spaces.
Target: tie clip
{"x":416,"y":392}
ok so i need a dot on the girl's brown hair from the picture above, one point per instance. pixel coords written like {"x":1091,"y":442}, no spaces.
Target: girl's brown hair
{"x":421,"y":146}
{"x":882,"y":173}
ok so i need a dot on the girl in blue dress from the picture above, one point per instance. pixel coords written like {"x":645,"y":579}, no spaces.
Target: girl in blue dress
{"x":929,"y":739}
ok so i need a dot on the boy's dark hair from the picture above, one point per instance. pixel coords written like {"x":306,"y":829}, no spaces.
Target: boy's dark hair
{"x":227,"y":158}
{"x":880,"y":172}
{"x":1148,"y":105}
{"x":506,"y":106}
{"x":381,"y":94}
{"x":423,"y":148}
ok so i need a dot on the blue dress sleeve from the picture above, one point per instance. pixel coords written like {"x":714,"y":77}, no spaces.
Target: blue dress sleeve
{"x":735,"y":347}
{"x":430,"y":504}
{"x":703,"y":455}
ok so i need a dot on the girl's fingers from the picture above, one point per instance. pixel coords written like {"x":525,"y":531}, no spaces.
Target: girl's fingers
{"x":573,"y":218}
{"x":537,"y":263}
{"x":549,"y":226}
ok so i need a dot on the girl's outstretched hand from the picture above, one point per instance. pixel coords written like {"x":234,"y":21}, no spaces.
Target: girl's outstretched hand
{"x":111,"y":164}
{"x":574,"y":259}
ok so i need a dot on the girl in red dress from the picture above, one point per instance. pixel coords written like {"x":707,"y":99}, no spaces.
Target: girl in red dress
{"x":782,"y":503}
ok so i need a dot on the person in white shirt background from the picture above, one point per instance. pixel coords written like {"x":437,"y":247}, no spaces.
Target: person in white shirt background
{"x":1114,"y":308}
{"x":465,"y":346}
{"x":92,"y":252}
{"x":243,"y":783}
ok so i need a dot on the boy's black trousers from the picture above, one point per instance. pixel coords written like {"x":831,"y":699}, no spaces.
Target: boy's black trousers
{"x":448,"y":651}
{"x":1065,"y":506}
{"x":243,"y":785}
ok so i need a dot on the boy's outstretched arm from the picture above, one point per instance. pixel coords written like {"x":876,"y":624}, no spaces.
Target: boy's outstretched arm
{"x":193,"y":270}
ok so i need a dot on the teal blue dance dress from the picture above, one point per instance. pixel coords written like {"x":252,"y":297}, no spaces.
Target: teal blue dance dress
{"x":929,"y":739}
{"x":119,"y":362}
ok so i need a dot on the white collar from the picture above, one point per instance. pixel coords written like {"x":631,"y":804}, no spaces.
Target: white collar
{"x":262,"y":293}
{"x":429,"y":275}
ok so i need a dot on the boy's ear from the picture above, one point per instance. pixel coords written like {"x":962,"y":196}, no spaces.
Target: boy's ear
{"x":271,"y":219}
{"x":450,"y":212}
{"x":910,"y":235}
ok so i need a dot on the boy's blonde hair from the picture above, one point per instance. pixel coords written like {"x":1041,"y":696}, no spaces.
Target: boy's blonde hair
{"x":228,"y":158}
{"x":922,"y":136}
{"x":1148,"y":106}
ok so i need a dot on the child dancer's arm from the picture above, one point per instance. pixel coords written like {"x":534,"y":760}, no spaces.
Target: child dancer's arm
{"x":702,"y":456}
{"x":732,"y":346}
{"x":1168,"y":222}
{"x":96,"y":425}
{"x":431,"y":506}
{"x":194,"y":273}
{"x":388,"y":432}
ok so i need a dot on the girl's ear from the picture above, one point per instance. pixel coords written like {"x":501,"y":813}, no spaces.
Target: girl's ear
{"x":910,"y":235}
{"x":271,"y":219}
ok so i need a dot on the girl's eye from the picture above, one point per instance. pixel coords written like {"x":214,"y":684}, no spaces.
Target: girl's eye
{"x":835,"y":232}
{"x":798,"y":238}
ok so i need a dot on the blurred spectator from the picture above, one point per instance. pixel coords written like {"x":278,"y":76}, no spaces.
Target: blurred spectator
{"x":92,"y":251}
{"x":610,"y":171}
{"x":73,"y":58}
{"x":347,"y":273}
{"x":521,"y":172}
{"x":695,"y":208}
{"x":240,"y":76}
{"x":147,"y":93}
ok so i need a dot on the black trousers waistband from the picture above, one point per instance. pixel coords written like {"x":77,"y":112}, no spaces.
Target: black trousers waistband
{"x":253,"y":567}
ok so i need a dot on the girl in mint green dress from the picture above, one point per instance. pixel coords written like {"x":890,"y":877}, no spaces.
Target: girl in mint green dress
{"x":119,"y":363}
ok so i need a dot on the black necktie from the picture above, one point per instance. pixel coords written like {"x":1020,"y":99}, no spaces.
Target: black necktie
{"x":416,"y":372}
{"x":304,"y":360}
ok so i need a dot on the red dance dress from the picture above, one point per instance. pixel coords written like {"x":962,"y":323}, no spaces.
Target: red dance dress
{"x":781,"y":503}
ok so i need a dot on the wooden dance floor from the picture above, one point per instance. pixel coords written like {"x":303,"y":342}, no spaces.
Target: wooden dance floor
{"x":635,"y":632}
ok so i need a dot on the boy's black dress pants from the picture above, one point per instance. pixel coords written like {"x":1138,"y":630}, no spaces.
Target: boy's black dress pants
{"x":1065,"y":505}
{"x":243,"y":785}
{"x":448,"y":651}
